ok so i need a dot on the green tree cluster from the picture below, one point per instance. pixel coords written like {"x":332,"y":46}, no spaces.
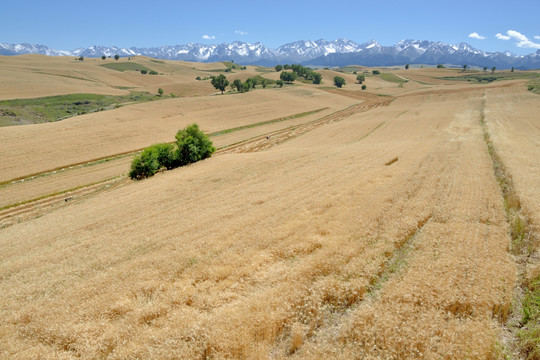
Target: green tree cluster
{"x":339,"y":81}
{"x":220,"y":82}
{"x":288,"y":76}
{"x":191,"y":146}
{"x":301,"y":71}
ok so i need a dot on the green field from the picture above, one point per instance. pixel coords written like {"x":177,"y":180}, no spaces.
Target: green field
{"x":392,"y":78}
{"x":481,"y":76}
{"x":55,"y":108}
{"x":126,"y":66}
{"x":534,"y":85}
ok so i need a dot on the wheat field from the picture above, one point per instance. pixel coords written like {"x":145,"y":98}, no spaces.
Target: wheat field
{"x":361,"y":225}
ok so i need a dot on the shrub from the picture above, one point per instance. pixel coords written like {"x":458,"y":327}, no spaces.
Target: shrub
{"x":144,"y":72}
{"x":317,"y":77}
{"x":192,"y":145}
{"x":339,"y":81}
{"x":237,"y":83}
{"x":376,"y":72}
{"x":364,"y":87}
{"x":288,"y":76}
{"x":153,"y":72}
{"x":278,"y":68}
{"x":144,"y":165}
{"x":279,"y":83}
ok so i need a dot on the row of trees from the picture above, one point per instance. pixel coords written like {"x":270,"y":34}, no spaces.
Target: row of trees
{"x":220,"y":82}
{"x":191,"y":146}
{"x":299,"y":71}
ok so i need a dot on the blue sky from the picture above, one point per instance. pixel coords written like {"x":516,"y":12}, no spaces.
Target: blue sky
{"x":66,"y":25}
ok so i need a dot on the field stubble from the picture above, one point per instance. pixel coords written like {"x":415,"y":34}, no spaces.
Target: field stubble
{"x":274,"y":254}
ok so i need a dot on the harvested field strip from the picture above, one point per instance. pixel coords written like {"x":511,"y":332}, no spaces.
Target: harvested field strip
{"x":133,"y":152}
{"x":269,"y":140}
{"x":38,"y":206}
{"x":449,"y":300}
{"x":252,"y":144}
{"x":524,"y":326}
{"x":70,"y":167}
{"x":295,"y":116}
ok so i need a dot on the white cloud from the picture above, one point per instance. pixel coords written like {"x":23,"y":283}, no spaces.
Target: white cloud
{"x":522,"y":40}
{"x":208,"y":37}
{"x":240,"y":32}
{"x":502,"y":37}
{"x":537,"y":37}
{"x":475,"y":35}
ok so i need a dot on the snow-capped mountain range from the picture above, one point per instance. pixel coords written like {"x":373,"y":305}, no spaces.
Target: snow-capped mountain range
{"x":339,"y":52}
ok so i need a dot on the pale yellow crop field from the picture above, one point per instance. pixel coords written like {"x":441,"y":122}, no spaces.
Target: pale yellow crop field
{"x":363,"y":224}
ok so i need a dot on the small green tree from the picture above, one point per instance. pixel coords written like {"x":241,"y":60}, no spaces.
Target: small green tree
{"x":264,"y":83}
{"x":317,"y":77}
{"x":144,"y":71}
{"x":237,"y":83}
{"x":375,"y":72}
{"x":512,"y":70}
{"x":220,"y":82}
{"x":407,"y":67}
{"x":485,"y":68}
{"x":465,"y":67}
{"x":360,"y":78}
{"x":81,"y":58}
{"x":160,"y":91}
{"x":493,"y":69}
{"x":279,"y":83}
{"x":364,"y":87}
{"x":192,"y":145}
{"x":151,"y":160}
{"x":278,"y":68}
{"x":339,"y":81}
{"x":288,"y":76}
{"x":103,"y":57}
{"x":116,"y":57}
{"x":440,"y":66}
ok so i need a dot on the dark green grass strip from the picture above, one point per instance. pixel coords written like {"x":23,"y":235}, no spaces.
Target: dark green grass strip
{"x":524,"y":244}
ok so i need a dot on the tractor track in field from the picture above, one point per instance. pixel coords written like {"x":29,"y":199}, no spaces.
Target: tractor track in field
{"x":33,"y":208}
{"x":277,"y":137}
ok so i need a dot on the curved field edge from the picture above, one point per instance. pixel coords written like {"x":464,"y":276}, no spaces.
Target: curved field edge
{"x":524,"y":325}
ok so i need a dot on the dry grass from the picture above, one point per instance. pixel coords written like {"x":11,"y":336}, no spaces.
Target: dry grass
{"x":271,"y":254}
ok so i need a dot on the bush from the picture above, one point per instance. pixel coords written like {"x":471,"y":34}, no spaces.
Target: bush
{"x":191,"y":145}
{"x":148,"y":163}
{"x":144,"y":72}
{"x":288,"y":76}
{"x":376,"y":72}
{"x":339,"y":81}
{"x":364,"y":87}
